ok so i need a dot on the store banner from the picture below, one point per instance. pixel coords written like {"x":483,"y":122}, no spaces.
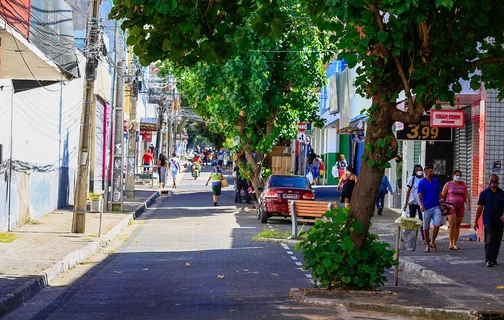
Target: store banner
{"x":423,"y":131}
{"x":447,"y":118}
{"x":343,"y":98}
{"x":333,"y":95}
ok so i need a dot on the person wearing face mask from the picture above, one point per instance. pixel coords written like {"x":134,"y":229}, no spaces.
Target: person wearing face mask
{"x":429,"y":192}
{"x":455,"y":192}
{"x":412,"y":196}
{"x":491,"y":205}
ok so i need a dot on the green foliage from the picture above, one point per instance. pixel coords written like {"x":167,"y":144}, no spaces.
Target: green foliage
{"x":335,"y":261}
{"x":257,"y":95}
{"x":265,"y":173}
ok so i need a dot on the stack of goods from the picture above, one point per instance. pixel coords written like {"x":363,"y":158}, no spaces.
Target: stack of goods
{"x":281,"y":165}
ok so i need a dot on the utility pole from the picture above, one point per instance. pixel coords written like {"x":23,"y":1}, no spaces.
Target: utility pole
{"x":117,"y":175}
{"x":161,"y":111}
{"x":132,"y":142}
{"x":80,"y":202}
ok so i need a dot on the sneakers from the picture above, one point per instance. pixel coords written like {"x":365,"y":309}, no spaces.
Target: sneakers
{"x":489,"y":264}
{"x":215,"y":204}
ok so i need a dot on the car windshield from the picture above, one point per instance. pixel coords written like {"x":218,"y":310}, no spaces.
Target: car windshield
{"x":289,"y":182}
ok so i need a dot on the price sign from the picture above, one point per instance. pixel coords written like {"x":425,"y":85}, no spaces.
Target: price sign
{"x":424,"y":132}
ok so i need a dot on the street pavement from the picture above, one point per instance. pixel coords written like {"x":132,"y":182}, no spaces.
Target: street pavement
{"x":186,"y":259}
{"x":44,"y":248}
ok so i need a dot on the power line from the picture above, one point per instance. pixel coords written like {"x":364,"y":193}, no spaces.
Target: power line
{"x":35,"y":127}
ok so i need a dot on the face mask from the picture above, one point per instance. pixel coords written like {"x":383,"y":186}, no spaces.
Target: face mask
{"x":419,"y":173}
{"x":458,"y":178}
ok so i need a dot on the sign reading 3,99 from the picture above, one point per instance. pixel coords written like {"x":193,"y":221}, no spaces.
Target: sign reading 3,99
{"x":424,"y":132}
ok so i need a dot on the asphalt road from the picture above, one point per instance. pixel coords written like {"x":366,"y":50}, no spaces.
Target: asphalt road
{"x":186,"y":259}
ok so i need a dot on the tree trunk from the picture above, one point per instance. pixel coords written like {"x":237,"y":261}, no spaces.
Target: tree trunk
{"x":364,"y":196}
{"x":255,"y":175}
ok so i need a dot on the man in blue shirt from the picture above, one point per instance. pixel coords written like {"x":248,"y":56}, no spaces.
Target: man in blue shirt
{"x":491,"y":204}
{"x":429,"y":192}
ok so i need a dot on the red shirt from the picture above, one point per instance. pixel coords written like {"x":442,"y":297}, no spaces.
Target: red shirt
{"x":147,"y":158}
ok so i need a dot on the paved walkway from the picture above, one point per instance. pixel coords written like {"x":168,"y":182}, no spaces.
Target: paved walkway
{"x":44,"y":248}
{"x":446,"y":279}
{"x":187,"y":259}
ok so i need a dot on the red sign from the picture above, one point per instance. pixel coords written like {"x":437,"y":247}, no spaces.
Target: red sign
{"x":447,"y":118}
{"x":146,"y":135}
{"x":125,"y":126}
{"x":302,"y":127}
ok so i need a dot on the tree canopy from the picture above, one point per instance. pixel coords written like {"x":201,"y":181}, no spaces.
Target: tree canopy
{"x":259,"y":94}
{"x":417,"y":48}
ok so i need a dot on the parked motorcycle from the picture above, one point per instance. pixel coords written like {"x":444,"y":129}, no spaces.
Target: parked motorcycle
{"x":196,"y":171}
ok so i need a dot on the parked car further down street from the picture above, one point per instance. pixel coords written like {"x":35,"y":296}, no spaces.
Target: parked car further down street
{"x":279,"y":189}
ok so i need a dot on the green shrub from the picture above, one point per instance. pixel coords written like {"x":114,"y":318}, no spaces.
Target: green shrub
{"x":335,"y":262}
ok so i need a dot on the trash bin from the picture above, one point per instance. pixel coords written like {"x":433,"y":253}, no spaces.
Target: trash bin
{"x":410,"y":227}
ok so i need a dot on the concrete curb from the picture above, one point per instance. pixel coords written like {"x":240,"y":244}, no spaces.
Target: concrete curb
{"x":430,"y":313}
{"x":421,"y":273}
{"x":34,"y":286}
{"x":407,"y":267}
{"x":272,"y":240}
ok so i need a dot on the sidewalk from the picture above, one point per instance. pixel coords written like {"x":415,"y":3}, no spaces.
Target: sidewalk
{"x":446,"y":284}
{"x":44,"y":249}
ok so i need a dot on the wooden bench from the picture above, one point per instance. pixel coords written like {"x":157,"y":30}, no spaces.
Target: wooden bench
{"x":308,"y":209}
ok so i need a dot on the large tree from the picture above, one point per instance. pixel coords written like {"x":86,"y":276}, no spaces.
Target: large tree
{"x":258,"y":95}
{"x":419,"y":48}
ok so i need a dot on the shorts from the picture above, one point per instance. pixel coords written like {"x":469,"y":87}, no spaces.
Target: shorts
{"x":433,"y":214}
{"x":174,"y":174}
{"x":315,"y":172}
{"x":216,"y":190}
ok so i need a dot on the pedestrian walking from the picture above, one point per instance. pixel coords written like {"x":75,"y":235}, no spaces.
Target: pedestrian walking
{"x":348,"y":182}
{"x":220,"y":158}
{"x":161,"y":166}
{"x":216,"y":177}
{"x":455,"y":192}
{"x":175,"y":169}
{"x":309,"y":161}
{"x":412,"y":196}
{"x":147,"y":159}
{"x":385,"y":187}
{"x":342,"y":165}
{"x":241,"y":184}
{"x":315,"y":168}
{"x":491,"y":205}
{"x":429,"y":192}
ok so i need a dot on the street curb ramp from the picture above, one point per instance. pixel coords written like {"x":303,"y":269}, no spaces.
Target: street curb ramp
{"x":34,"y":286}
{"x":299,"y":295}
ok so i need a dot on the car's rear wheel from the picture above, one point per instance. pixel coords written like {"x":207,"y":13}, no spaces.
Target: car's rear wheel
{"x":263,"y":216}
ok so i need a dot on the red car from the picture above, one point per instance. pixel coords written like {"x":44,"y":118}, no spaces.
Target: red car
{"x":274,"y":200}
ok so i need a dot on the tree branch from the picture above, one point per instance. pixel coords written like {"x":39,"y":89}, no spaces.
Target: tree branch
{"x":483,"y":61}
{"x":400,"y":69}
{"x":407,"y":117}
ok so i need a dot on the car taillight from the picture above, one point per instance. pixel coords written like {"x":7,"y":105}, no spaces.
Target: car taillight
{"x":308,"y":196}
{"x":271,"y":195}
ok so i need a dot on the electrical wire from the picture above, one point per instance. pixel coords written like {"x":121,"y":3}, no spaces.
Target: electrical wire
{"x":35,"y":126}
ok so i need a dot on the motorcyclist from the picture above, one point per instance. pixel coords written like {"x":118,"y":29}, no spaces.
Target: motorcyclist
{"x":196,"y":162}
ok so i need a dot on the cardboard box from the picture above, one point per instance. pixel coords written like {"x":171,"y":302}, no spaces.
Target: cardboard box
{"x":277,"y":151}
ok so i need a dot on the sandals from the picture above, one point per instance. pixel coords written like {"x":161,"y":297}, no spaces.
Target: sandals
{"x":455,"y":248}
{"x":434,"y":247}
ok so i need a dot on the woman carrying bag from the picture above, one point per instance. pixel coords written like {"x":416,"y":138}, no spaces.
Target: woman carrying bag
{"x":216,"y":177}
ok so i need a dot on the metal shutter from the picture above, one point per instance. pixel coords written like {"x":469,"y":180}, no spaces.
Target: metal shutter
{"x":417,"y":153}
